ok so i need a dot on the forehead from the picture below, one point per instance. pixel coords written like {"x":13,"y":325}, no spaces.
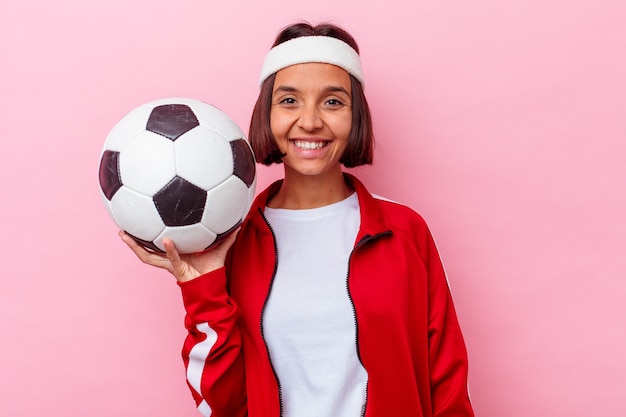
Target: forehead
{"x":312,"y":75}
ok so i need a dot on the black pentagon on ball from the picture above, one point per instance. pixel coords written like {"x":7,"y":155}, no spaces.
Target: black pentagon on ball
{"x":172,"y":120}
{"x":243,"y":161}
{"x":110,"y":180}
{"x":180,"y":203}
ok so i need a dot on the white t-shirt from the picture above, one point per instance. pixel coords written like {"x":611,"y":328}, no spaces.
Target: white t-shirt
{"x":309,"y":321}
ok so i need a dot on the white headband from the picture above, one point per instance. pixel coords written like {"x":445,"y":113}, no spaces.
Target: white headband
{"x":323,"y":49}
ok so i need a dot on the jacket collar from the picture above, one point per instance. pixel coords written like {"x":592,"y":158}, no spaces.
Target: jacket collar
{"x":372,"y":220}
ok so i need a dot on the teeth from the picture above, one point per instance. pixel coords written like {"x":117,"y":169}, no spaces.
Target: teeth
{"x":309,"y":145}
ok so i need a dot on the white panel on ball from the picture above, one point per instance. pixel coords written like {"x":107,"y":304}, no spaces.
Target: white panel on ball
{"x":203,"y":157}
{"x":136,"y":214}
{"x":128,"y":127}
{"x":218,"y":121}
{"x":188,"y":239}
{"x":225,"y":205}
{"x":147,"y":163}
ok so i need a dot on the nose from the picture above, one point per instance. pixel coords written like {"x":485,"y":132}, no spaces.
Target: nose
{"x":310,"y":118}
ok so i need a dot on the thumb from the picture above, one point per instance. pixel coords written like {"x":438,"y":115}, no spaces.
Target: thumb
{"x":178,"y":267}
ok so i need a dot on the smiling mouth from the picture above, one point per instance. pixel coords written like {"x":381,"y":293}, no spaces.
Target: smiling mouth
{"x":308,"y":146}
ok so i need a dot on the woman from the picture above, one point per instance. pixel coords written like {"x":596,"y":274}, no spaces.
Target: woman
{"x":330,"y":301}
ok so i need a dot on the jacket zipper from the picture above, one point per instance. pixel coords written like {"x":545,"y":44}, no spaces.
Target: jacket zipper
{"x":365,"y":239}
{"x":267,"y":348}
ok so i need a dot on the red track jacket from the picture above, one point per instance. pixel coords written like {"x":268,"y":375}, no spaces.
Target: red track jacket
{"x":408,"y":336}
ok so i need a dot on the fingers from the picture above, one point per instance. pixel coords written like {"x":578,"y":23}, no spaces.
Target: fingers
{"x":170,"y":250}
{"x":145,"y":256}
{"x":183,"y":267}
{"x":139,"y":250}
{"x":179,"y":267}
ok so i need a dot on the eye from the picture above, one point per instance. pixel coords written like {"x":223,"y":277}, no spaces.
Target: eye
{"x":335,"y":103}
{"x":287,"y":100}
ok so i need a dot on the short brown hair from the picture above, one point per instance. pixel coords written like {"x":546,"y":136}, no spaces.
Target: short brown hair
{"x":360,"y":148}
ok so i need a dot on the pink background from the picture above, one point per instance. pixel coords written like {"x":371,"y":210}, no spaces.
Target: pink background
{"x":503,"y":123}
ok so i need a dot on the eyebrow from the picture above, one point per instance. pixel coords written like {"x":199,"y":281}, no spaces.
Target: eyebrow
{"x":329,"y":89}
{"x":285,"y":89}
{"x":333,"y":89}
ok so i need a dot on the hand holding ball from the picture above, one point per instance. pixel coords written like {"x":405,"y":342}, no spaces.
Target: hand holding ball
{"x":177,"y":168}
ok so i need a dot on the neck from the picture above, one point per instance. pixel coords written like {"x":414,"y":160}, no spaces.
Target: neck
{"x":306,"y":192}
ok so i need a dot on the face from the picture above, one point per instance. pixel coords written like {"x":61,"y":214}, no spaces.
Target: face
{"x":311,"y":117}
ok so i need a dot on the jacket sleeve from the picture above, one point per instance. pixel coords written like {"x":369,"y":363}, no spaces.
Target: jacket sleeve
{"x":212,"y":349}
{"x":447,"y":351}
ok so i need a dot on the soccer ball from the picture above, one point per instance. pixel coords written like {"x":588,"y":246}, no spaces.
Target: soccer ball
{"x":177,"y":168}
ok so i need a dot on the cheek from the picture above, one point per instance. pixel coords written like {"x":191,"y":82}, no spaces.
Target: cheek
{"x":343,"y":126}
{"x":278,"y":125}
